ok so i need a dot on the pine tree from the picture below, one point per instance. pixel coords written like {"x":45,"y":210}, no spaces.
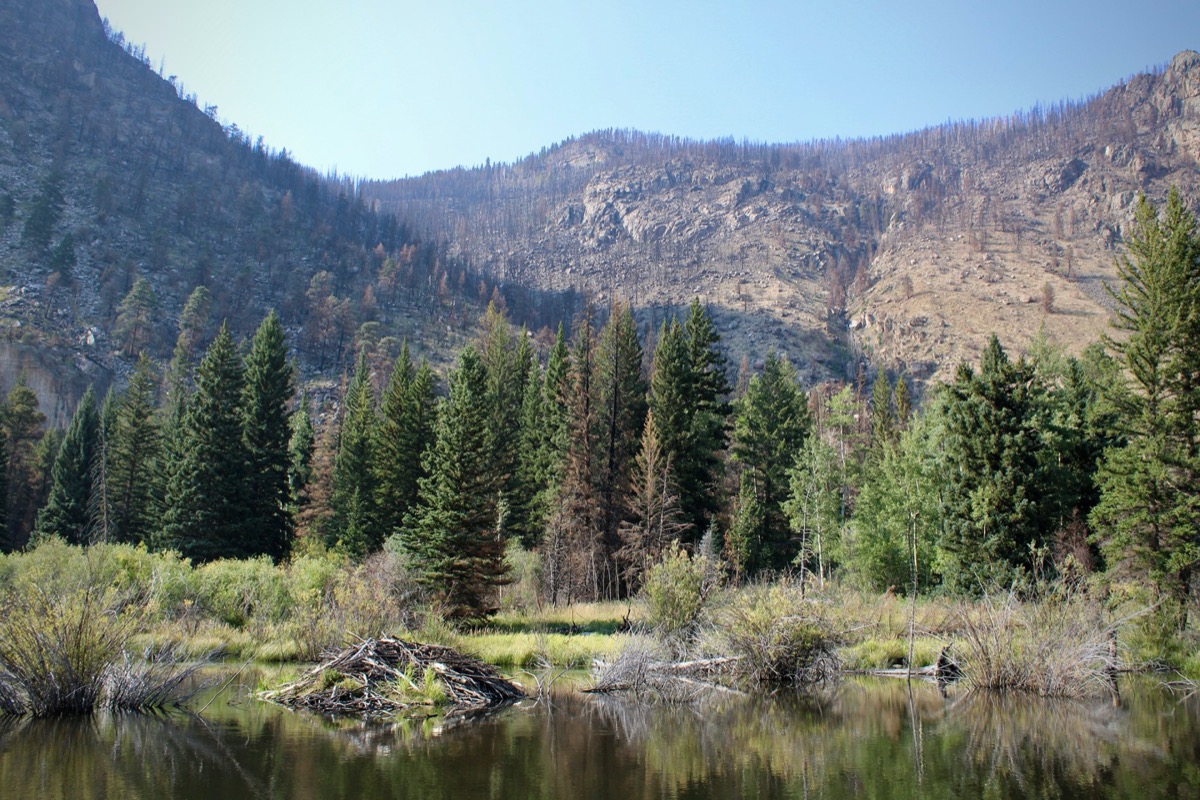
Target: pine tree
{"x":688,"y":387}
{"x":352,"y":527}
{"x":134,"y":452}
{"x":578,"y":505}
{"x":621,"y":414}
{"x":66,"y":511}
{"x":101,"y":519}
{"x":407,"y":422}
{"x":507,"y":363}
{"x":452,"y":538}
{"x":265,"y":434}
{"x":771,"y":423}
{"x":527,"y":511}
{"x":996,"y":514}
{"x":135,"y":318}
{"x":883,"y":424}
{"x":205,"y":499}
{"x":656,"y":517}
{"x":24,"y":426}
{"x":1149,"y":512}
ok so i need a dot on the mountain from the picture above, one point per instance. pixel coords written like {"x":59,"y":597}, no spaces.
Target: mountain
{"x":907,"y":251}
{"x":110,"y":173}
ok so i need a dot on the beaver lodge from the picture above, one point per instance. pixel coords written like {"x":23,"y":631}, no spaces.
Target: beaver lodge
{"x":390,"y":676}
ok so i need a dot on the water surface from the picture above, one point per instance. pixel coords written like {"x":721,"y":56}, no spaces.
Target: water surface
{"x":860,"y":739}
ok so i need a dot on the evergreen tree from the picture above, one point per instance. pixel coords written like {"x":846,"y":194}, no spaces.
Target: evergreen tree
{"x":903,"y":402}
{"x":583,"y":570}
{"x":135,"y":318}
{"x":527,"y":504}
{"x":134,"y":452}
{"x":66,"y":511}
{"x":507,"y":363}
{"x":352,"y":526}
{"x":101,"y":520}
{"x":407,"y":424}
{"x":883,"y":425}
{"x":656,"y":518}
{"x":997,"y":520}
{"x":688,"y":386}
{"x":452,"y":538}
{"x":621,"y":414}
{"x":206,"y":506}
{"x":24,"y":426}
{"x":1148,"y":516}
{"x":266,"y":394}
{"x":193,"y":323}
{"x":771,"y":423}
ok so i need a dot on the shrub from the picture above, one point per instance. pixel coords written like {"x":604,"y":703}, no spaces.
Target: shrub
{"x":777,"y":635}
{"x":676,"y":592}
{"x":242,"y":591}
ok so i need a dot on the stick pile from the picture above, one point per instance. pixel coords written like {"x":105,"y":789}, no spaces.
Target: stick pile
{"x":385,"y":676}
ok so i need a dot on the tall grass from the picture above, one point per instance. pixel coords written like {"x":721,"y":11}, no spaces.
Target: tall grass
{"x":1059,"y":645}
{"x":64,"y":632}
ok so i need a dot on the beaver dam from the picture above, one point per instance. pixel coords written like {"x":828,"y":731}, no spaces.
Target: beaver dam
{"x":390,"y":676}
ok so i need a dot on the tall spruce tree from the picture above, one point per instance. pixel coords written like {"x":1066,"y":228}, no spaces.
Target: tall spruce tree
{"x":135,"y":449}
{"x":353,"y":527}
{"x":1148,"y":516}
{"x":452,"y":537}
{"x":66,"y":511}
{"x":407,"y":424}
{"x":266,"y":395}
{"x":997,"y":518}
{"x":205,"y":498}
{"x":688,"y":389}
{"x":301,"y":447}
{"x":770,"y":426}
{"x":621,"y":415}
{"x":102,"y":526}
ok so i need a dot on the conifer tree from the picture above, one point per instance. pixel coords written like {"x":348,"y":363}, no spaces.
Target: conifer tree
{"x":771,"y":423}
{"x":996,"y":514}
{"x":352,"y":526}
{"x":205,"y":497}
{"x":883,"y":425}
{"x":1149,"y":512}
{"x":578,"y":522}
{"x":101,"y":520}
{"x":688,"y":387}
{"x":66,"y":511}
{"x":135,"y":318}
{"x":656,"y":518}
{"x":266,"y":395}
{"x":407,"y":421}
{"x":621,"y":414}
{"x":24,"y":427}
{"x":135,"y":444}
{"x":527,"y":512}
{"x":452,"y":538}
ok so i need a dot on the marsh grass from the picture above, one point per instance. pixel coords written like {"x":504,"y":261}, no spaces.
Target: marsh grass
{"x":1058,"y":645}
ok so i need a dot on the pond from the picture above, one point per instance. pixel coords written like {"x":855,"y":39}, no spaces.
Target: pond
{"x":863,"y":738}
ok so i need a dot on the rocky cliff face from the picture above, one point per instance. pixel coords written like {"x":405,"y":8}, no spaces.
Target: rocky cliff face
{"x":908,"y":250}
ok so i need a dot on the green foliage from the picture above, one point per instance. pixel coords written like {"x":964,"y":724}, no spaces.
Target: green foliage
{"x":814,"y":505}
{"x":43,"y":215}
{"x":135,"y":447}
{"x":66,"y":511}
{"x":206,"y":503}
{"x":452,"y":540}
{"x":899,"y":510}
{"x":352,"y":527}
{"x":998,"y":516}
{"x":135,"y":318}
{"x":266,"y":434}
{"x":771,"y":424}
{"x":407,"y":418}
{"x":677,"y":591}
{"x":1149,"y":509}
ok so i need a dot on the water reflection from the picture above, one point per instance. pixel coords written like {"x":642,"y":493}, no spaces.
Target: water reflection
{"x":871,"y":739}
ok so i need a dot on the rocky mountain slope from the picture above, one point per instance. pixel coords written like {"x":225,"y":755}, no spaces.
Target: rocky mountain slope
{"x":908,"y":250}
{"x":110,"y":173}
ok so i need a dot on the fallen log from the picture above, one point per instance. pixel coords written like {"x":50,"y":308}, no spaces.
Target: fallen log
{"x":388,"y":676}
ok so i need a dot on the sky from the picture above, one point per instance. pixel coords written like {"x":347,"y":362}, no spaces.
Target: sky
{"x":388,"y":88}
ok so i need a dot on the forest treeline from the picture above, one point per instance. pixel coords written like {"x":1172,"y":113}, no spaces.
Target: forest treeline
{"x":597,"y":456}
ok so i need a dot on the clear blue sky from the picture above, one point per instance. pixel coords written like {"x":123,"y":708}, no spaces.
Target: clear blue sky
{"x":385,"y":88}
